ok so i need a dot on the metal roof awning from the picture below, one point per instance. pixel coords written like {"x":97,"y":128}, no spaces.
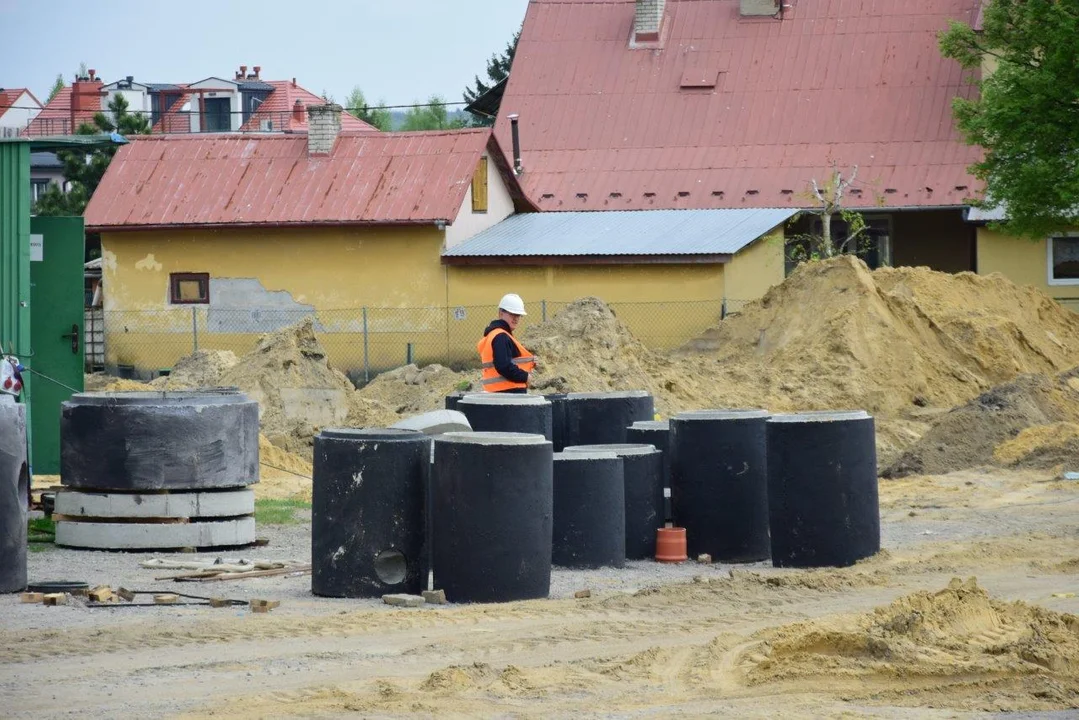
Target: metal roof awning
{"x":987,"y":215}
{"x":618,"y":236}
{"x":51,"y":143}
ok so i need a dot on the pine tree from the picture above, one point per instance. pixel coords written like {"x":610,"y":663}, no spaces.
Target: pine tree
{"x":498,"y":69}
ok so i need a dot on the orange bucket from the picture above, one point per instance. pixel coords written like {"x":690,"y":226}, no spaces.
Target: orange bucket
{"x":671,"y":544}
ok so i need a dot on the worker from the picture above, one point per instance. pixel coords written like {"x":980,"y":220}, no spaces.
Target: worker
{"x":506,"y":363}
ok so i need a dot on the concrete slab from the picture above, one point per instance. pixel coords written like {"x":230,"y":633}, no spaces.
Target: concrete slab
{"x":155,"y":536}
{"x":228,"y":503}
{"x":436,"y":422}
{"x":401,"y":600}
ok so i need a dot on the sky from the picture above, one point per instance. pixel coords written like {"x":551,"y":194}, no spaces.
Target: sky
{"x":397,"y":51}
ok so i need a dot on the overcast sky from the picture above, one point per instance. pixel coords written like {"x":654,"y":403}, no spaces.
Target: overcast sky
{"x":395,"y":50}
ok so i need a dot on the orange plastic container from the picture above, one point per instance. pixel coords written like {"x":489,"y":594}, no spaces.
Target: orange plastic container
{"x":671,"y":545}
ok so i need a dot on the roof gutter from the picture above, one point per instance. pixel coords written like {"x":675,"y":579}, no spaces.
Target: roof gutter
{"x":436,"y":222}
{"x":544,"y":260}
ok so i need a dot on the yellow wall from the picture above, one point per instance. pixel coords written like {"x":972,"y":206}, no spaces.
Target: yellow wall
{"x":755,"y":269}
{"x":396,"y":273}
{"x":387,"y":269}
{"x":1022,"y":261}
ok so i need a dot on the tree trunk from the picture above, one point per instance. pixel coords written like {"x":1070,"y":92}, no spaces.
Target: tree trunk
{"x":827,"y":248}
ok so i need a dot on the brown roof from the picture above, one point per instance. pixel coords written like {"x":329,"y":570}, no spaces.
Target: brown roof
{"x":9,"y":96}
{"x":737,"y":112}
{"x":55,"y":118}
{"x":228,"y":180}
{"x":279,"y":105}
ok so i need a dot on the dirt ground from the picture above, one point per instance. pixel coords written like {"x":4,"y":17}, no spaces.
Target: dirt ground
{"x":907,"y":633}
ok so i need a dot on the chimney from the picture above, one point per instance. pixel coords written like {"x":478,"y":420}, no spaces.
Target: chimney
{"x":648,"y":20}
{"x":323,"y":126}
{"x":758,"y":8}
{"x":257,"y":69}
{"x":299,"y":112}
{"x":86,"y":93}
{"x":241,"y":73}
{"x":517,"y":167}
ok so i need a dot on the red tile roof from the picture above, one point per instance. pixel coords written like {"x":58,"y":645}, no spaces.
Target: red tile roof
{"x":256,"y":180}
{"x":55,"y":118}
{"x":174,"y":119}
{"x":855,"y":82}
{"x":278,"y":109}
{"x":9,"y":96}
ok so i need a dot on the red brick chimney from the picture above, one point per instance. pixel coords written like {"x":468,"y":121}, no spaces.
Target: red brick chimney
{"x":299,"y":112}
{"x":257,"y":69}
{"x":86,"y":92}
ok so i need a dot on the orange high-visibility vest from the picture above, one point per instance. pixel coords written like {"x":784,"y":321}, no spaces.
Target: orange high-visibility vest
{"x":491,"y":380}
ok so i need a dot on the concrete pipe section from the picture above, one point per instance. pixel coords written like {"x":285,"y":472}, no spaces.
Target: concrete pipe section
{"x":492,"y":513}
{"x":822,"y":489}
{"x":157,"y":470}
{"x":159,"y":440}
{"x":642,"y":467}
{"x":602,"y":418}
{"x":368,"y":512}
{"x":14,"y":494}
{"x":589,"y":510}
{"x":719,"y":483}
{"x":558,"y":420}
{"x":657,"y":433}
{"x":508,"y":412}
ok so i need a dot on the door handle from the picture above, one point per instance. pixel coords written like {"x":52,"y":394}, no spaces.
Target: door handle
{"x":74,"y":335}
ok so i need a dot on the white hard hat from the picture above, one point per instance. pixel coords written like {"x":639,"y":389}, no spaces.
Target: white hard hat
{"x":513,"y":304}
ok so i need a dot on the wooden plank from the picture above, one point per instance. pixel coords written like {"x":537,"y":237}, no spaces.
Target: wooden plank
{"x":31,"y":597}
{"x":166,"y":599}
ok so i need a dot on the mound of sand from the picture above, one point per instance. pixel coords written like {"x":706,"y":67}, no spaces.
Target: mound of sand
{"x":969,"y":435}
{"x":1042,"y":447}
{"x":297,"y":390}
{"x":410,"y":389}
{"x":836,"y":335}
{"x":954,"y":636}
{"x":200,"y":369}
{"x":282,"y":474}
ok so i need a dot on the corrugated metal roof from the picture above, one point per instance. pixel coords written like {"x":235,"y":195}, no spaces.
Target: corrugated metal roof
{"x":855,"y":82}
{"x":979,"y":215}
{"x":221,"y":180}
{"x":632,"y":232}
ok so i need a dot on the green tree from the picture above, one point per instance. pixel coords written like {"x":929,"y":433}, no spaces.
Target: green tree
{"x":498,"y":69}
{"x":56,"y":87}
{"x":356,"y":105}
{"x":1027,"y":114}
{"x":432,"y":116}
{"x":83,"y":169}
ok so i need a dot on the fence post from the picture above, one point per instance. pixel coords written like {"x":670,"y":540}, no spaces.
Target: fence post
{"x":543,"y":309}
{"x":723,"y":308}
{"x":366,"y":364}
{"x":195,"y":329}
{"x":408,"y":354}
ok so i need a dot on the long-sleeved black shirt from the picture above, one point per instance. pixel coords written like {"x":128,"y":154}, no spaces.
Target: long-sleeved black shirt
{"x":505,"y":350}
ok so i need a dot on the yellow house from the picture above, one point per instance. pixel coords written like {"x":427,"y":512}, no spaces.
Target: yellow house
{"x":211,"y":240}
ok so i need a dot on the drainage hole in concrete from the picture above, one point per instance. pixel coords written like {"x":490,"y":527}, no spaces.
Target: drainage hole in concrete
{"x":390,"y":566}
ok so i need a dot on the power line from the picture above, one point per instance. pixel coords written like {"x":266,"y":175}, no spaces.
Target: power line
{"x":254,"y":112}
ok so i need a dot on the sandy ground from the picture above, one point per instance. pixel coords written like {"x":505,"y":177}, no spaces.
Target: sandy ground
{"x":652,"y":640}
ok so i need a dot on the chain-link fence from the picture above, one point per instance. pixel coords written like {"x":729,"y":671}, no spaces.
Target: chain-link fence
{"x":363,"y":342}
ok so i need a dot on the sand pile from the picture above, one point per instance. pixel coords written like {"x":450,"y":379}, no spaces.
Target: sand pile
{"x":1042,"y":447}
{"x":200,"y":369}
{"x":281,"y":474}
{"x":410,"y":389}
{"x":586,"y":348}
{"x":297,"y":391}
{"x":123,"y":385}
{"x":836,"y":335}
{"x":1021,"y":656}
{"x":990,"y":428}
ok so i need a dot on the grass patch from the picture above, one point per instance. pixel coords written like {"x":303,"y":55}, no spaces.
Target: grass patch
{"x":40,"y":531}
{"x":279,"y":512}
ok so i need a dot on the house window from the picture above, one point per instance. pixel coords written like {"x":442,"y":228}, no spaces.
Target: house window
{"x":189,"y":288}
{"x":1064,"y":260}
{"x":38,"y":188}
{"x":479,"y":187}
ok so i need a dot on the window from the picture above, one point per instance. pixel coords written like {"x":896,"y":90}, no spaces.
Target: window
{"x":38,"y":188}
{"x":479,"y":187}
{"x":189,"y":288}
{"x":1064,"y":260}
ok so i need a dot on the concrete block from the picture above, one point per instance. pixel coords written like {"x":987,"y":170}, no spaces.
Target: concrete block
{"x":704,"y":558}
{"x":31,"y":597}
{"x":436,"y":422}
{"x":582,"y":594}
{"x":434,"y":597}
{"x":402,"y":600}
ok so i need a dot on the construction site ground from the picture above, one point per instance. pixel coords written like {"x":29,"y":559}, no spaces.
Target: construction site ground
{"x":969,"y":610}
{"x":693,"y":639}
